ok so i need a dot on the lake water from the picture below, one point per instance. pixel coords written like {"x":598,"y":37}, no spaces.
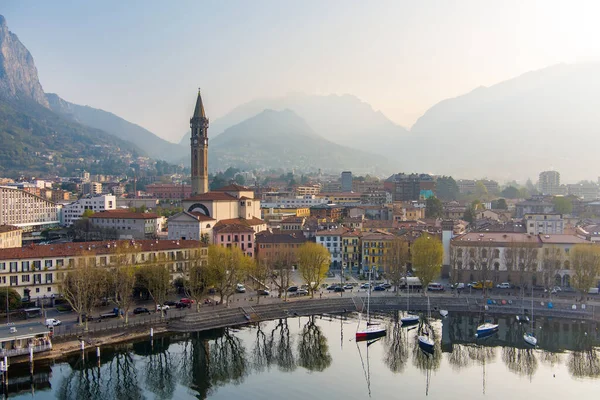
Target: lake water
{"x":304,"y":358}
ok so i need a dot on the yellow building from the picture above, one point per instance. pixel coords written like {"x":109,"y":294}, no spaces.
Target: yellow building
{"x":341,"y":197}
{"x":10,"y":236}
{"x":351,"y":255}
{"x":297,"y":211}
{"x":374,"y":249}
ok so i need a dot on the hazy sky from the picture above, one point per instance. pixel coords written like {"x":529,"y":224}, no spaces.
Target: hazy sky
{"x":144,"y":60}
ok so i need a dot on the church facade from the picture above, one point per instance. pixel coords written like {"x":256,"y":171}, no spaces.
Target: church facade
{"x":230,"y":205}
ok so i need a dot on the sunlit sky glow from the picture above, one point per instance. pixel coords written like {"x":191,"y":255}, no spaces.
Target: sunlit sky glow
{"x":144,"y":59}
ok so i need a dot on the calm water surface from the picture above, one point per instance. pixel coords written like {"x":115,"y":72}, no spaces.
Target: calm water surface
{"x":316,"y":357}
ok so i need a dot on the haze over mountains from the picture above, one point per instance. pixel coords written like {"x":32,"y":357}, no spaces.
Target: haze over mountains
{"x":512,"y":130}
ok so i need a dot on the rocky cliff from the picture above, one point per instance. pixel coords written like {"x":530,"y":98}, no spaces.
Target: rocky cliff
{"x":18,"y":74}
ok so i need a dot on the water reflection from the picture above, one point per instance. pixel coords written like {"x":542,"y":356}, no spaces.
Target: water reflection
{"x":201,"y":364}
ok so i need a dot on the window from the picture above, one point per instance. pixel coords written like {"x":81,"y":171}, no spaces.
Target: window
{"x":60,"y":263}
{"x":13,"y":280}
{"x":496,"y":253}
{"x":2,"y":266}
{"x":37,"y":265}
{"x":13,"y":266}
{"x":48,"y":278}
{"x":48,"y":289}
{"x":25,"y":278}
{"x":48,"y":263}
{"x":37,"y":289}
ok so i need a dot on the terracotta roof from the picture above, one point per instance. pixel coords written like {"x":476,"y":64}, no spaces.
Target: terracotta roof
{"x":103,"y":247}
{"x":212,"y":196}
{"x":352,"y":234}
{"x":562,"y":239}
{"x":241,"y":221}
{"x":279,"y":238}
{"x":496,"y":238}
{"x":234,"y":187}
{"x":199,"y":216}
{"x":8,"y":228}
{"x":377,"y":236}
{"x":292,"y":220}
{"x":123,"y":214}
{"x":375,"y":223}
{"x":232,"y":228}
{"x":333,"y":232}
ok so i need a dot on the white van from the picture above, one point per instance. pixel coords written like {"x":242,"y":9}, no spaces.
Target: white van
{"x":53,"y":322}
{"x":593,"y":290}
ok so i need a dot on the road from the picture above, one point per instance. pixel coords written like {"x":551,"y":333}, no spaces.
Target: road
{"x":248,"y":299}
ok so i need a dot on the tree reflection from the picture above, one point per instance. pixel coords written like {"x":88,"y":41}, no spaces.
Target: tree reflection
{"x":396,"y":354}
{"x":459,"y":358}
{"x":520,"y":361}
{"x":194,"y":364}
{"x":584,"y":364}
{"x":159,"y":370}
{"x":82,"y":383}
{"x":281,"y":344}
{"x":227,"y":360}
{"x":313,"y":351}
{"x":550,"y":358}
{"x":262,"y":352}
{"x":481,"y":354}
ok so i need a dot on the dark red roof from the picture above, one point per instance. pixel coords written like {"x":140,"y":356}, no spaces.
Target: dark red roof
{"x":103,"y":247}
{"x":234,"y":187}
{"x":279,"y":238}
{"x":123,"y":214}
{"x":200,"y":216}
{"x":232,"y":228}
{"x":241,"y":221}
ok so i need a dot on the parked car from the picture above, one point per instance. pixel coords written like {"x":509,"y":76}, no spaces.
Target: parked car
{"x":348,"y":286}
{"x":504,"y":285}
{"x":301,"y":292}
{"x":85,"y":317}
{"x":53,"y":322}
{"x":263,"y":292}
{"x":364,"y":286}
{"x":539,"y":287}
{"x":240,"y":288}
{"x":179,"y":304}
{"x":436,"y":287}
{"x":471,"y":284}
{"x":459,"y":285}
{"x":479,"y":285}
{"x":379,"y":288}
{"x":141,"y":310}
{"x":292,"y":289}
{"x":170,"y":303}
{"x":387,"y":285}
{"x":331,"y":287}
{"x":163,"y":307}
{"x":339,"y":289}
{"x":185,"y":300}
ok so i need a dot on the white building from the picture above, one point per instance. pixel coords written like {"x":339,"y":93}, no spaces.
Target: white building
{"x":331,"y":239}
{"x":72,"y":212}
{"x":27,"y":211}
{"x":545,"y":224}
{"x":129,"y":225}
{"x":308,"y":200}
{"x":190,"y":226}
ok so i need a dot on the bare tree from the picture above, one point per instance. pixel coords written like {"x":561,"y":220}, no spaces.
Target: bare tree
{"x":280,"y":269}
{"x":551,"y":265}
{"x":397,"y":258}
{"x":585,"y":261}
{"x":199,"y":279}
{"x":122,"y":279}
{"x":156,"y":279}
{"x":83,"y":285}
{"x":227,"y":266}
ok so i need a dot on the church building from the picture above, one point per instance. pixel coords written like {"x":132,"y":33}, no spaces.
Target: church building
{"x":230,"y":205}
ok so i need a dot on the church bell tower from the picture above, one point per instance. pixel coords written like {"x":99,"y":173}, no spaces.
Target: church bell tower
{"x":199,"y":146}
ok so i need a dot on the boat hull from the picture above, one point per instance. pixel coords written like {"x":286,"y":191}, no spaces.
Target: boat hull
{"x":426,"y":344}
{"x":409,"y":320}
{"x":370,"y":334}
{"x":486,"y":330}
{"x":530,"y":339}
{"x":444,"y":313}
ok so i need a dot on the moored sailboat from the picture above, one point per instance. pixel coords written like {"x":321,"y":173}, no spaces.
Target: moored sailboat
{"x":409,"y":319}
{"x":528,"y":337}
{"x":426,"y":343}
{"x":372,"y":331}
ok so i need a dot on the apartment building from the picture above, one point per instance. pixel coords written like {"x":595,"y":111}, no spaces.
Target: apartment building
{"x":36,"y":271}
{"x":129,"y":225}
{"x":27,"y":211}
{"x":169,"y":191}
{"x":272,"y":247}
{"x":10,"y":236}
{"x":331,"y":239}
{"x":73,"y":211}
{"x":545,"y":224}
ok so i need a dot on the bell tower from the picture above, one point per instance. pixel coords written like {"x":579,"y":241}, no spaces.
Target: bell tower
{"x":199,"y":146}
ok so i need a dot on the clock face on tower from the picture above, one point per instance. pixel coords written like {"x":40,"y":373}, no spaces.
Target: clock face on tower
{"x":195,"y":141}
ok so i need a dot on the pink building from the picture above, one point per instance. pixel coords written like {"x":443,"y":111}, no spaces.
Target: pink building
{"x":235,"y":235}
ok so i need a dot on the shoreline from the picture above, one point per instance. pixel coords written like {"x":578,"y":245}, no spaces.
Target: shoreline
{"x":215,"y":318}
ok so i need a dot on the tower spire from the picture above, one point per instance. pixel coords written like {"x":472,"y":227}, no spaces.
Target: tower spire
{"x":199,"y":110}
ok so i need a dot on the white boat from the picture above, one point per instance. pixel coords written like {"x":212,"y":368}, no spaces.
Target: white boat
{"x":528,"y":336}
{"x":409,"y":319}
{"x":444,"y":313}
{"x":372,"y":331}
{"x":425,"y":342}
{"x":486,"y":329}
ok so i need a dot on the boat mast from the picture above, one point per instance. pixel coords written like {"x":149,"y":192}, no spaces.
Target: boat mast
{"x":369,"y":299}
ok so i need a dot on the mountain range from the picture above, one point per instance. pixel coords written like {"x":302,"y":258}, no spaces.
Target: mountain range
{"x":545,"y":119}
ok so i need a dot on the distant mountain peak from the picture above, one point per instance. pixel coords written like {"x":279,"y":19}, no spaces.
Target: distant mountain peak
{"x":18,"y":74}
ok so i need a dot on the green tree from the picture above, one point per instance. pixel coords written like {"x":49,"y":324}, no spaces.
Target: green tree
{"x":499,"y":204}
{"x":87,"y":213}
{"x":313,"y":264}
{"x":434,"y":208}
{"x":510,"y":192}
{"x":228,"y":267}
{"x":427,"y":254}
{"x":585,"y":263}
{"x":470,"y":215}
{"x":562,"y":205}
{"x":14,"y":299}
{"x":446,"y":188}
{"x":480,"y":190}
